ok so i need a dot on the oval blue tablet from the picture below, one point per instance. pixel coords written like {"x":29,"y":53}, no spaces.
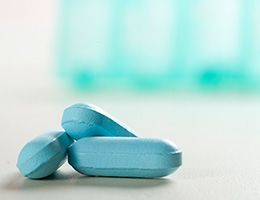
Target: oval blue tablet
{"x":85,"y":120}
{"x":44,"y":155}
{"x":124,"y":157}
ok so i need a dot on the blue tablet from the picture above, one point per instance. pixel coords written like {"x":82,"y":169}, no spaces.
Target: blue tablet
{"x":124,"y":157}
{"x":43,"y":155}
{"x":85,"y":120}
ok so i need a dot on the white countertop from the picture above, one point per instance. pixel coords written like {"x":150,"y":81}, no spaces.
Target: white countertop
{"x":219,"y":136}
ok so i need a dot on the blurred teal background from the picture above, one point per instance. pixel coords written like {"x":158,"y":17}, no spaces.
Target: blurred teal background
{"x":159,"y":44}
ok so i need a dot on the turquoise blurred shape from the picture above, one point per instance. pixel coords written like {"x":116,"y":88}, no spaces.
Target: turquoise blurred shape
{"x":150,"y":44}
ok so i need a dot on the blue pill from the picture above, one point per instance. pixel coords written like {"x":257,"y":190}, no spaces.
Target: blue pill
{"x":85,"y":120}
{"x":44,"y":155}
{"x":124,"y":157}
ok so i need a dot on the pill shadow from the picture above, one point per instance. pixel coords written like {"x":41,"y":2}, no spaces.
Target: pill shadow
{"x":113,"y":182}
{"x":18,"y":182}
{"x":59,"y":179}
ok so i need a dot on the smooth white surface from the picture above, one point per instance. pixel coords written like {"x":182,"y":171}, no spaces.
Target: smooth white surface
{"x":219,"y":137}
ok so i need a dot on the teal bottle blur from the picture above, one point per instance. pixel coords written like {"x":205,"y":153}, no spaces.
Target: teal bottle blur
{"x":150,"y":44}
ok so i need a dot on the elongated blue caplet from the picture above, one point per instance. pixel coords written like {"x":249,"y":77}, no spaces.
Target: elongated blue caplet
{"x":86,"y":120}
{"x":124,"y":157}
{"x":44,"y":154}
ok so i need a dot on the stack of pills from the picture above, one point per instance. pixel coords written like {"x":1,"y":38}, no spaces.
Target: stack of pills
{"x":97,"y":145}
